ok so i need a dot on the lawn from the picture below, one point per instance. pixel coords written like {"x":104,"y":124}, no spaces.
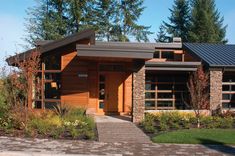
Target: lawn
{"x":197,"y":136}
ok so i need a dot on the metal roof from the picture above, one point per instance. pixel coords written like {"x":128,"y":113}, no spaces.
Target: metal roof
{"x":215,"y":55}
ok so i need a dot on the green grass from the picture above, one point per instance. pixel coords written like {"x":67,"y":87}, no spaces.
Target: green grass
{"x":197,"y":136}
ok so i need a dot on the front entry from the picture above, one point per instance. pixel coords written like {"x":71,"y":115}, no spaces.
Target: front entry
{"x":111,"y":92}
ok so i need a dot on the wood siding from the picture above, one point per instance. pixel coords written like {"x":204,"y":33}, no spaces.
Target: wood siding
{"x":74,"y":90}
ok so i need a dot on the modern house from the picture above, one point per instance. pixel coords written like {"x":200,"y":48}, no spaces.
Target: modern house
{"x":129,"y":78}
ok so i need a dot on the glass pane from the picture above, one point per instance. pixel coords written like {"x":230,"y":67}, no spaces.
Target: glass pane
{"x":180,"y":87}
{"x":37,"y":105}
{"x":225,"y":105}
{"x":164,"y":87}
{"x":156,"y":54}
{"x":149,"y":78}
{"x":164,"y":104}
{"x":52,"y":90}
{"x":52,"y":62}
{"x":168,"y":54}
{"x":149,"y":104}
{"x":225,"y":87}
{"x":165,"y":79}
{"x":101,"y":105}
{"x":226,"y":96}
{"x":164,"y":95}
{"x":150,"y":86}
{"x":52,"y":76}
{"x":149,"y":95}
{"x":102,"y":87}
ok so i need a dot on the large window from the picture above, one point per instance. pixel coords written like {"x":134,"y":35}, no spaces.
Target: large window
{"x":48,"y":84}
{"x":228,"y":91}
{"x":165,"y":92}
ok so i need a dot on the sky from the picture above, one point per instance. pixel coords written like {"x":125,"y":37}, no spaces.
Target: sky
{"x":13,"y":14}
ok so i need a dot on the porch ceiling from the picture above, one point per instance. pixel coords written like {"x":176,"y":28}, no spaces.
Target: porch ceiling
{"x":172,"y":66}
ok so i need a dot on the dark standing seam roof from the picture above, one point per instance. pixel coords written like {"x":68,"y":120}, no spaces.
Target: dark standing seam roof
{"x":215,"y":55}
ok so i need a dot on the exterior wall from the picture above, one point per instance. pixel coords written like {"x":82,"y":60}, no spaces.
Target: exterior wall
{"x":216,"y":77}
{"x":138,"y":92}
{"x":74,"y":91}
{"x":128,"y":93}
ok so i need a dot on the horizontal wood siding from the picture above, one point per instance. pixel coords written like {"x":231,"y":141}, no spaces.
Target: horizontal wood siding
{"x":93,"y":85}
{"x":128,"y":93}
{"x":74,"y":90}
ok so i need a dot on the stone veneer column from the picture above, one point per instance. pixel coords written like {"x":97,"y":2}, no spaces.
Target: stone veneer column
{"x":138,"y":103}
{"x":216,"y":78}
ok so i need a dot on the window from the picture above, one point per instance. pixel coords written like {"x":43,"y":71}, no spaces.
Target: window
{"x":166,"y":91}
{"x":47,"y":94}
{"x":101,"y":91}
{"x":228,"y":91}
{"x":168,"y":55}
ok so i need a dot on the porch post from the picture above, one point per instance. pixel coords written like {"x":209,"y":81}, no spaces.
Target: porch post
{"x":138,"y":105}
{"x":216,"y":78}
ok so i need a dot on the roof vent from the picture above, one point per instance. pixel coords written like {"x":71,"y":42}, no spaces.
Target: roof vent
{"x":177,"y":40}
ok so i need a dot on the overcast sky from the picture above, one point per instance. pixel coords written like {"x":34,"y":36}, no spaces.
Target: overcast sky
{"x":12,"y":19}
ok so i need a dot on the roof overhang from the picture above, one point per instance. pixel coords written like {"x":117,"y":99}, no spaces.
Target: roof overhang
{"x":171,"y":66}
{"x":48,"y":46}
{"x":115,"y":51}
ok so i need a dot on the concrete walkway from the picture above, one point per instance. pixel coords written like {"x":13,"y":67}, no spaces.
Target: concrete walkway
{"x":119,"y":129}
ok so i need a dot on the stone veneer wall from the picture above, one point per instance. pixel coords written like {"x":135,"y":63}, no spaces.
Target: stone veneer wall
{"x":138,"y":104}
{"x":216,"y":78}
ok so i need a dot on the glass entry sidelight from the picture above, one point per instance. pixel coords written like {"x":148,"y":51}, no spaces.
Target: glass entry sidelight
{"x":110,"y":92}
{"x":101,"y":91}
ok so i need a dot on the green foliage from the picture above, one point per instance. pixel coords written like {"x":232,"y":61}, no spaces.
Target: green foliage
{"x":113,"y":20}
{"x":174,"y":120}
{"x":195,"y":21}
{"x":148,"y":123}
{"x":197,"y":136}
{"x":179,"y":25}
{"x":162,"y":35}
{"x":207,"y":25}
{"x":61,"y":110}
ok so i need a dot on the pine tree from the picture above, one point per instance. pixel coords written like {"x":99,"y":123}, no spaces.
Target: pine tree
{"x":80,"y":15}
{"x":46,"y":21}
{"x":179,"y":25}
{"x":125,"y":23}
{"x":105,"y":12}
{"x":207,"y":25}
{"x":162,"y":35}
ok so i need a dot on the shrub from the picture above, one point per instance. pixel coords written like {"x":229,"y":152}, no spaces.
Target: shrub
{"x":165,"y":121}
{"x":148,"y":123}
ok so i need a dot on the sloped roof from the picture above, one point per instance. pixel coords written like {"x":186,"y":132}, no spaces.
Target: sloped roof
{"x":215,"y":55}
{"x":47,"y":46}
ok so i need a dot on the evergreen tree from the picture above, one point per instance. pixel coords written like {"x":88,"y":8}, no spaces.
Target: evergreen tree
{"x":105,"y":12}
{"x":179,"y":25}
{"x":125,"y":22}
{"x":80,"y":15}
{"x":207,"y":25}
{"x":114,"y":20}
{"x":46,"y":21}
{"x":162,"y":35}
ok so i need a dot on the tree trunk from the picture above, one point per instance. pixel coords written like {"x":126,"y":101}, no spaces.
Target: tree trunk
{"x":198,"y":122}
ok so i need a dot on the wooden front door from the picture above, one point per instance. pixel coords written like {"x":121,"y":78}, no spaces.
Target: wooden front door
{"x":113,"y":92}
